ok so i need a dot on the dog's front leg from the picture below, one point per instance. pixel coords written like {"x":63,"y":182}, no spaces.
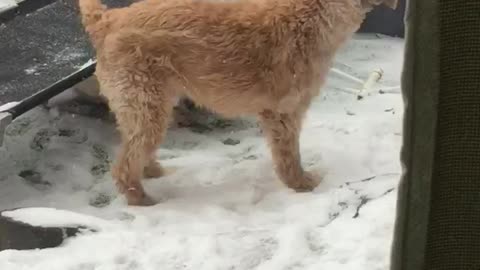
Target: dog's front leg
{"x":282,"y":131}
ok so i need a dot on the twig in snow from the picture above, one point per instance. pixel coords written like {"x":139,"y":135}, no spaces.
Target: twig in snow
{"x":364,"y":200}
{"x":361,"y":181}
{"x":348,"y":112}
{"x":369,"y":178}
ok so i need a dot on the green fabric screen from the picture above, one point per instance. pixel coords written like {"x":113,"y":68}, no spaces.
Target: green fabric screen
{"x":438,"y":209}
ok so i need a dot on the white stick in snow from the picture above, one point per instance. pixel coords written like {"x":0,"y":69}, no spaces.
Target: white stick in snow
{"x":346,"y":75}
{"x":374,"y":77}
{"x":390,"y":90}
{"x":367,"y":85}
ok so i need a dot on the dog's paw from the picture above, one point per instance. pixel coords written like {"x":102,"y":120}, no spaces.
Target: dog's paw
{"x":142,"y":200}
{"x":307,"y":183}
{"x":153,"y":170}
{"x":135,"y":194}
{"x":157,"y":171}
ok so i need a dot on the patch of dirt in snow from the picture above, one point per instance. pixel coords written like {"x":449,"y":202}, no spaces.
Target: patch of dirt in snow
{"x":222,"y":206}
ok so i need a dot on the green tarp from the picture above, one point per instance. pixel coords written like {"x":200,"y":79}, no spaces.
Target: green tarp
{"x":438,"y":211}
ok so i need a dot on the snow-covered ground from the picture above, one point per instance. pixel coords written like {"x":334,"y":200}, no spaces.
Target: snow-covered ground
{"x":222,"y":206}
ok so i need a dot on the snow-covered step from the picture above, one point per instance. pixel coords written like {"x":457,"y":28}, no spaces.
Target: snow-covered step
{"x":6,"y":5}
{"x":36,"y":228}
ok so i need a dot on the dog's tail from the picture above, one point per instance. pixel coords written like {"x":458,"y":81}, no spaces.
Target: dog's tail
{"x":92,"y":11}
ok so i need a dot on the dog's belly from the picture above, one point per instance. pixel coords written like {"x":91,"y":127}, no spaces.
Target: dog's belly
{"x":231,"y":103}
{"x":232,"y":98}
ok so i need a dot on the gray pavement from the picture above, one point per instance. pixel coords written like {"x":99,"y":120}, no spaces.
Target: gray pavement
{"x":42,"y":47}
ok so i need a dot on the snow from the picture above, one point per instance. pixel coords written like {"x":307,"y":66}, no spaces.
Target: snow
{"x":221,"y":205}
{"x":88,"y":63}
{"x":7,"y":106}
{"x":6,"y":5}
{"x":50,"y":217}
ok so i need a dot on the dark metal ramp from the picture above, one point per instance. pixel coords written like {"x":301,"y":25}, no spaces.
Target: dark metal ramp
{"x":42,"y":47}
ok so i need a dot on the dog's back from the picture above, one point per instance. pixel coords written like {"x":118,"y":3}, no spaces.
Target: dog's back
{"x":253,"y":54}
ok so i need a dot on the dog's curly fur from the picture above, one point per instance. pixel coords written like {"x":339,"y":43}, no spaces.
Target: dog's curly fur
{"x":267,"y":58}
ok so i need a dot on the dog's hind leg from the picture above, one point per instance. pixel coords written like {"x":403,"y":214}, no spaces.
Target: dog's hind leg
{"x":282,"y":131}
{"x":142,"y":119}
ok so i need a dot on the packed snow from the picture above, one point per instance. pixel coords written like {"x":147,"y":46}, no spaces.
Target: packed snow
{"x":7,"y":106}
{"x":221,"y":206}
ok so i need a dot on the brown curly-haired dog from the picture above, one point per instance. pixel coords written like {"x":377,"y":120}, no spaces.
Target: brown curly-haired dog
{"x":250,"y":57}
